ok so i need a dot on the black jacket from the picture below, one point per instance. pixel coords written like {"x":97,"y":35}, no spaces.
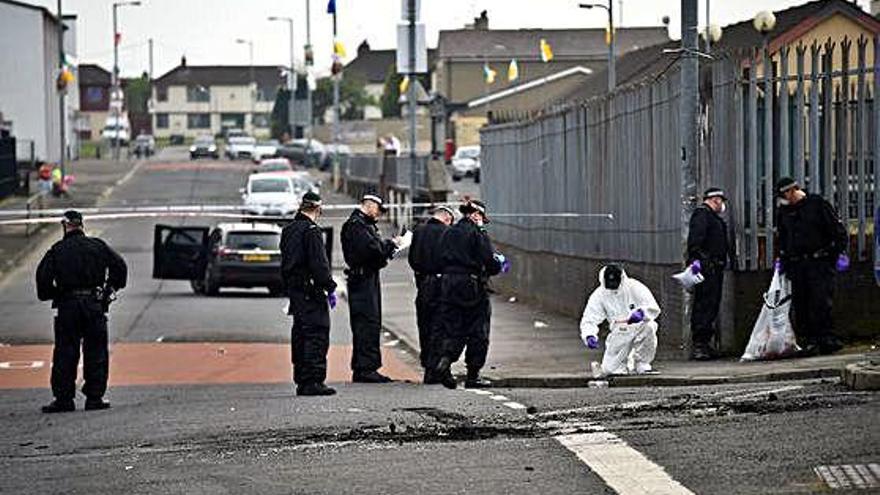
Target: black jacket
{"x":467,"y":249}
{"x":707,"y":238}
{"x":362,"y":246}
{"x":424,"y":253}
{"x":303,"y":256}
{"x":79,"y":262}
{"x":810,"y":229}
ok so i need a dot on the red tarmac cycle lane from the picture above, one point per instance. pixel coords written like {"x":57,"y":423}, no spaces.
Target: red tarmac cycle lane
{"x":28,"y":366}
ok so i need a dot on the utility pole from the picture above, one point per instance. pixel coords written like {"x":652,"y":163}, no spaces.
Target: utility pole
{"x":114,"y":85}
{"x":150,"y":74}
{"x":689,"y":126}
{"x":411,"y":99}
{"x":62,"y":113}
{"x":250,"y":44}
{"x":612,"y":66}
{"x":336,"y":79}
{"x":309,"y":61}
{"x":291,"y":76}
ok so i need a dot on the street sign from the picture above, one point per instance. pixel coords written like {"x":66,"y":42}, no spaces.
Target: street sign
{"x":403,"y":49}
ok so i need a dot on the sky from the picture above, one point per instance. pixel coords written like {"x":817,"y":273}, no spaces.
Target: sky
{"x":205,"y":30}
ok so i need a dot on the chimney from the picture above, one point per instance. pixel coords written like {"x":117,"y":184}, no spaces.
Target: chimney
{"x":482,"y":23}
{"x":363,"y":48}
{"x":183,"y":61}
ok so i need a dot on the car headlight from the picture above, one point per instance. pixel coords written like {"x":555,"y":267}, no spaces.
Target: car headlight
{"x":212,"y":148}
{"x":192,"y":149}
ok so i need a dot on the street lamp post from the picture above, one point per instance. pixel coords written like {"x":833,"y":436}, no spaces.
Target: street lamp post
{"x":250,"y":44}
{"x":612,"y":76}
{"x":115,"y":87}
{"x":309,"y":61}
{"x":291,"y":74}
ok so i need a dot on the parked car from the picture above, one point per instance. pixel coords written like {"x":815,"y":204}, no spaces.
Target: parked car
{"x":233,"y":132}
{"x":466,"y":163}
{"x":229,"y":255}
{"x":117,"y":130}
{"x":144,"y":145}
{"x":204,"y":146}
{"x":330,"y":153}
{"x":265,"y":149}
{"x":272,"y":194}
{"x":295,"y":151}
{"x":273,"y":165}
{"x":240,"y":147}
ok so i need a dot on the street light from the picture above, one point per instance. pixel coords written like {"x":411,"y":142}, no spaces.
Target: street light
{"x":115,"y":77}
{"x":250,"y":44}
{"x":291,"y":73}
{"x":612,"y":76}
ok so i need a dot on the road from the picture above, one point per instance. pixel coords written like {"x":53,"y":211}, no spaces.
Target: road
{"x":203,"y":404}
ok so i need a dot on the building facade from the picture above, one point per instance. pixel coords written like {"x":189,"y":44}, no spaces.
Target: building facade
{"x":196,"y":100}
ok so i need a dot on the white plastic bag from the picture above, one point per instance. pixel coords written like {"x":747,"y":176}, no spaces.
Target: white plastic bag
{"x":690,"y":277}
{"x":773,"y":336}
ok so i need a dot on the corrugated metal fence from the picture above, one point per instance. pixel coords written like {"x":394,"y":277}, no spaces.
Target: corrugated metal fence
{"x":619,"y":154}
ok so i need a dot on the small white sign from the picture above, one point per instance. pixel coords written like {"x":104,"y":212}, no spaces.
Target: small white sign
{"x":403,"y":49}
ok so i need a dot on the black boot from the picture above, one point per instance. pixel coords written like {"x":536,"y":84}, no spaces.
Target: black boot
{"x":57,"y":406}
{"x":96,"y":404}
{"x":370,"y":377}
{"x":703,"y":352}
{"x":314,"y":389}
{"x":430,"y":378}
{"x":474,"y":380}
{"x":443,"y":373}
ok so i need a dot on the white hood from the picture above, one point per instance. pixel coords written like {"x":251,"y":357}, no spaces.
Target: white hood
{"x":615,"y":306}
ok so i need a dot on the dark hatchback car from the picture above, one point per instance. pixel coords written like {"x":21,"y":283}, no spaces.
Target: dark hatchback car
{"x":242,"y":255}
{"x":204,"y":147}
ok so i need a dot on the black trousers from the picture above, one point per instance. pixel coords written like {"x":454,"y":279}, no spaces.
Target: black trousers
{"x":427,"y":319}
{"x":80,"y":322}
{"x":707,"y":302}
{"x":309,"y":337}
{"x":465,"y":314}
{"x":812,"y":284}
{"x":365,"y":314}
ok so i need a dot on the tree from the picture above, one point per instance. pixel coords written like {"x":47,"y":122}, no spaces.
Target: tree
{"x":353,"y":97}
{"x":391,"y":93}
{"x":279,"y":122}
{"x":137,"y":94}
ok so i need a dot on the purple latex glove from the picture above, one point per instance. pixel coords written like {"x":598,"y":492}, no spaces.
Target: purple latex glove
{"x":503,"y":261}
{"x":332,"y":300}
{"x":842,"y":263}
{"x":637,"y":316}
{"x":696,"y":267}
{"x":593,"y":342}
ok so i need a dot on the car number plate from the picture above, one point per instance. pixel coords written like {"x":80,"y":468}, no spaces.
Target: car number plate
{"x":256,"y":257}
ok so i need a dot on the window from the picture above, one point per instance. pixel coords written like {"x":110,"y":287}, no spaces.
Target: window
{"x":198,"y":121}
{"x":261,"y":120}
{"x":198,"y":94}
{"x":270,"y":186}
{"x":95,"y":94}
{"x":162,"y":93}
{"x":265,"y":93}
{"x":268,"y":241}
{"x":161,"y":121}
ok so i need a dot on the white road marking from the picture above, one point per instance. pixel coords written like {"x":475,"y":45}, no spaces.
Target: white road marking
{"x":479,"y":391}
{"x":499,"y":398}
{"x":858,"y":476}
{"x":514,"y":405}
{"x":624,"y":469}
{"x":764,"y":392}
{"x":21,"y":365}
{"x":160,"y":338}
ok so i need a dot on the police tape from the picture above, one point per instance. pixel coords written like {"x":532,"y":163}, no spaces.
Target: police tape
{"x":41,"y":216}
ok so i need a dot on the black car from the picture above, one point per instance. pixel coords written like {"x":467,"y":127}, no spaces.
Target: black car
{"x":244,"y":255}
{"x":204,"y":147}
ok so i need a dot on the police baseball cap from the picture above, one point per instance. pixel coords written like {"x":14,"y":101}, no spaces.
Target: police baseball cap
{"x":474,"y":205}
{"x":784,"y":185}
{"x":443,"y":208}
{"x":72,"y":217}
{"x":714,"y":192}
{"x":311,"y":199}
{"x":376,"y":199}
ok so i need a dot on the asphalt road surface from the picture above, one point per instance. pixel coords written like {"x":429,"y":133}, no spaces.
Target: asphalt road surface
{"x":202,"y":403}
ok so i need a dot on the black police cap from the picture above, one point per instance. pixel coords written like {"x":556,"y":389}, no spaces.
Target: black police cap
{"x":73,"y":217}
{"x":311,"y":199}
{"x":474,"y":205}
{"x":714,"y":192}
{"x":785,"y":184}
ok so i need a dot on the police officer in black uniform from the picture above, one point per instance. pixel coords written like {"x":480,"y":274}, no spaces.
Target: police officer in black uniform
{"x":811,"y":239}
{"x":305,"y":271}
{"x":468,"y":261}
{"x":79,"y":274}
{"x":425,"y":258}
{"x":707,"y":243}
{"x":365,"y":254}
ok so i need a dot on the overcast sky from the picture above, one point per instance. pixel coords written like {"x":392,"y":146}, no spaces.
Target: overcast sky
{"x":205,"y":30}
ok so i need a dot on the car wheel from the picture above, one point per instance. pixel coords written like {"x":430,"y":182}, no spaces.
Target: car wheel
{"x":211,"y":287}
{"x":192,"y":157}
{"x":456,"y":178}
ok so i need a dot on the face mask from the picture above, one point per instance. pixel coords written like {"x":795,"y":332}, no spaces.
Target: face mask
{"x":784,"y":202}
{"x":723,"y":207}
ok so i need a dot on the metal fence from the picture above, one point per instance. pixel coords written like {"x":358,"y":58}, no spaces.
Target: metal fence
{"x":8,"y":167}
{"x":386,"y":171}
{"x":814,"y":116}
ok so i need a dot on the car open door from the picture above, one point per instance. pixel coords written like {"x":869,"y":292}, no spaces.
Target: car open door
{"x":179,"y":253}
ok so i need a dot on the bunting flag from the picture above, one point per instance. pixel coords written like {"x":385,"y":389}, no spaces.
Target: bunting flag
{"x":338,"y":49}
{"x":489,"y":74}
{"x":607,"y":35}
{"x":512,"y":71}
{"x":546,"y":51}
{"x":331,"y":7}
{"x":404,"y":84}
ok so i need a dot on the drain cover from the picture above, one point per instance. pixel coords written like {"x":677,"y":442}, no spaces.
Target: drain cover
{"x":850,"y":476}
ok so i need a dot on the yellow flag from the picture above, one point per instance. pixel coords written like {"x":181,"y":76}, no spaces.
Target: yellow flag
{"x":546,"y":51}
{"x":404,"y":84}
{"x":607,"y":35}
{"x":512,"y":71}
{"x":339,"y":49}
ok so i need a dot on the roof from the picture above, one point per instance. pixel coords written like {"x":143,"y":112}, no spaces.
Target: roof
{"x":651,"y":62}
{"x":373,"y":65}
{"x":534,"y":83}
{"x":221,"y":75}
{"x":524,"y":44}
{"x":46,"y":12}
{"x":93,"y":75}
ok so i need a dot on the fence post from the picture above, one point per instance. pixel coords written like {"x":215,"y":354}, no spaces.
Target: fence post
{"x":861,"y":143}
{"x":843,"y":175}
{"x":784,"y":135}
{"x":752,"y":161}
{"x":815,"y":178}
{"x":827,"y":105}
{"x":799,"y":117}
{"x":875,"y":155}
{"x":769,"y":89}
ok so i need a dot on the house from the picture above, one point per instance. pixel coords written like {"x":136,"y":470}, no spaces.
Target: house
{"x":94,"y":99}
{"x":816,"y":21}
{"x":372,"y":67}
{"x":29,"y":64}
{"x":464,"y":98}
{"x":207,"y":99}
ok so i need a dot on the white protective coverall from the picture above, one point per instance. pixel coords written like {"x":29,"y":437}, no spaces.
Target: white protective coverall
{"x":628,"y":348}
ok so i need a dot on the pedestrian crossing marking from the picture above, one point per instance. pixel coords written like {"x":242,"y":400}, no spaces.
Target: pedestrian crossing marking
{"x":850,"y":476}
